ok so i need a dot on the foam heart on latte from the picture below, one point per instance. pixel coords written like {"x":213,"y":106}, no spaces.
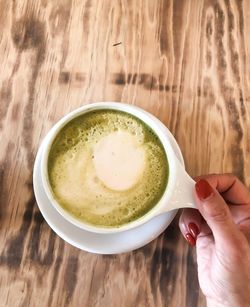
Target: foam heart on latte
{"x":119,"y":160}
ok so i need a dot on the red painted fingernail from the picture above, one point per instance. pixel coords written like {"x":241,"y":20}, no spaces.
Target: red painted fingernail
{"x":191,"y":240}
{"x":194,"y":229}
{"x":203,"y":189}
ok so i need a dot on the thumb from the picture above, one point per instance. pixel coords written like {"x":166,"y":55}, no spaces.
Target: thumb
{"x":216,"y":212}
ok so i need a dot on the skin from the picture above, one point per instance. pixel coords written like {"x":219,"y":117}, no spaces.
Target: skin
{"x":223,"y":244}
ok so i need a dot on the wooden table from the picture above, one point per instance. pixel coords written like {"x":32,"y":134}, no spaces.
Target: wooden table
{"x":187,"y":62}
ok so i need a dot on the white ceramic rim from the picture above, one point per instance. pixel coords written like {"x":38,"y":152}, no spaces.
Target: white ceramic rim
{"x":147,"y":118}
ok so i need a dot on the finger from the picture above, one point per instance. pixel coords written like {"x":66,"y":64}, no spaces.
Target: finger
{"x":245,"y":228}
{"x":217,"y":215}
{"x":231,"y":188}
{"x":240,"y":213}
{"x":191,"y":222}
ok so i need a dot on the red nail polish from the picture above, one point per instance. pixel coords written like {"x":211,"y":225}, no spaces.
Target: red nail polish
{"x":191,"y":240}
{"x":203,"y":189}
{"x":194,"y":230}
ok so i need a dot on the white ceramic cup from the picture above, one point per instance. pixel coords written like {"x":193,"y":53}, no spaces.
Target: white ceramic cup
{"x":180,"y":186}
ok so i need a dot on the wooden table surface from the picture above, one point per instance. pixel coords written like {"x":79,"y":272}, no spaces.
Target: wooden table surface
{"x":187,"y":62}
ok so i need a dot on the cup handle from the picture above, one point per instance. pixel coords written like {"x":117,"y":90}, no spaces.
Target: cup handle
{"x":183,"y":194}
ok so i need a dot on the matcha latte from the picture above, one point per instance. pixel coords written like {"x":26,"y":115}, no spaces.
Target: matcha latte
{"x":107,"y":168}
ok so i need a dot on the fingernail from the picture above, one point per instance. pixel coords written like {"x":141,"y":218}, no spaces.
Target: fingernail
{"x":191,"y":240}
{"x":194,"y":230}
{"x":203,"y":189}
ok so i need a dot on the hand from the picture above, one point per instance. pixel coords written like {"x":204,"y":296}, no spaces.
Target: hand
{"x":220,"y":228}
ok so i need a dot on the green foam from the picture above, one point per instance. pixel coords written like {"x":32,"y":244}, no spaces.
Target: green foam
{"x":72,"y":175}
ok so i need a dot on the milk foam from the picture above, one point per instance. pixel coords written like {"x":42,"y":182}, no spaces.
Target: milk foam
{"x":107,"y":168}
{"x":119,"y":160}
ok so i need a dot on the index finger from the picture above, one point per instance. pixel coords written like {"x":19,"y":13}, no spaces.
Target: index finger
{"x":230,"y":187}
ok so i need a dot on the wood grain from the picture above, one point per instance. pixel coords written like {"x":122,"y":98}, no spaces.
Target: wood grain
{"x":187,"y":62}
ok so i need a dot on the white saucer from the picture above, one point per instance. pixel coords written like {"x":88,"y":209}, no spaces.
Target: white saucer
{"x":100,"y":243}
